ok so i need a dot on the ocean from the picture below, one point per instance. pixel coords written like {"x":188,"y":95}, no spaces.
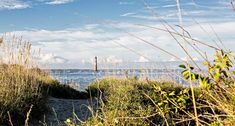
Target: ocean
{"x":81,"y":78}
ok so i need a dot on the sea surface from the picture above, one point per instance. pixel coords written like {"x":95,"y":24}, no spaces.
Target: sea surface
{"x":81,"y":78}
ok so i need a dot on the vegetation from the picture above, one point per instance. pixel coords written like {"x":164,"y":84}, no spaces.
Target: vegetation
{"x":19,"y":93}
{"x":24,"y":90}
{"x":136,"y":102}
{"x":59,"y":90}
{"x":23,"y":87}
{"x":218,"y":83}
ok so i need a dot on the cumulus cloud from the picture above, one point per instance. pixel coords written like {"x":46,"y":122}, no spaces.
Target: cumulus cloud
{"x":57,"y":2}
{"x":187,"y":58}
{"x":13,"y":4}
{"x":143,"y":59}
{"x":60,"y":35}
{"x":85,"y":43}
{"x":173,"y":59}
{"x":51,"y":59}
{"x":112,"y":59}
{"x":225,"y":28}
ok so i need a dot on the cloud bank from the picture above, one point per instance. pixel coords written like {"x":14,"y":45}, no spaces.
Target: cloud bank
{"x":81,"y":45}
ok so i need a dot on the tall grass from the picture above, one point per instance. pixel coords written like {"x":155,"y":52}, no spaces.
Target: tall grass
{"x":133,"y":102}
{"x":142,"y":102}
{"x":19,"y":82}
{"x":24,"y":87}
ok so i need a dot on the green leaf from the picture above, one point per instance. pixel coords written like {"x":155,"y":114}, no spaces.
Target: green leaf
{"x":205,"y":63}
{"x":185,"y":90}
{"x":191,"y":68}
{"x":186,"y":74}
{"x":163,"y":92}
{"x":172,"y":93}
{"x":165,"y":101}
{"x":160,"y":103}
{"x":222,"y":51}
{"x":182,"y":66}
{"x":225,"y":73}
{"x":193,"y":77}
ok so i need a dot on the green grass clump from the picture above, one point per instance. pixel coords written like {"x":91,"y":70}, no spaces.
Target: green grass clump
{"x":58,"y":90}
{"x":55,"y":89}
{"x":135,"y":102}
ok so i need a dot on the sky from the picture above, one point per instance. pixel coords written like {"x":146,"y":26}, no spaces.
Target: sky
{"x":70,"y":33}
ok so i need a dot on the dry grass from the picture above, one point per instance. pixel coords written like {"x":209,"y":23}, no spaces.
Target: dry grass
{"x":19,"y":82}
{"x":23,"y":86}
{"x":122,"y":103}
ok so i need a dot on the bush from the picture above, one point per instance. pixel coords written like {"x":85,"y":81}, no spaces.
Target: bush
{"x":134,"y":102}
{"x":218,"y":83}
{"x":58,"y":90}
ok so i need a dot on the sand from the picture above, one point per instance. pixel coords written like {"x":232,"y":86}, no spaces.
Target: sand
{"x":62,"y":109}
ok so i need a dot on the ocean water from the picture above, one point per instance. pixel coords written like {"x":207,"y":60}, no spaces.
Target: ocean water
{"x":81,"y":78}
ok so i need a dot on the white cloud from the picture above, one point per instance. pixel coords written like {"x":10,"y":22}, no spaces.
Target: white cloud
{"x":226,"y":28}
{"x":62,"y":35}
{"x":91,"y":26}
{"x":126,"y":3}
{"x":143,"y":59}
{"x":188,"y":59}
{"x":57,"y":2}
{"x":173,"y":59}
{"x":112,"y":59}
{"x":127,"y":14}
{"x":51,"y":59}
{"x":79,"y":45}
{"x":13,"y":4}
{"x":170,"y":5}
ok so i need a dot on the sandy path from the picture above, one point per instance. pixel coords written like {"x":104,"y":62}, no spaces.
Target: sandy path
{"x":62,"y":109}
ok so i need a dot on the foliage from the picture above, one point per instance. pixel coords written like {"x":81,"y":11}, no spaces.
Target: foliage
{"x":220,"y":72}
{"x":218,"y":83}
{"x":135,"y":102}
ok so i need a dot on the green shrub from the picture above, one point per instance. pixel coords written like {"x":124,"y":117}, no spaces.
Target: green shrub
{"x":135,"y":102}
{"x":218,"y":84}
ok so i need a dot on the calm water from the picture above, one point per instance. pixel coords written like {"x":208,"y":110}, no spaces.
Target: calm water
{"x":81,"y":78}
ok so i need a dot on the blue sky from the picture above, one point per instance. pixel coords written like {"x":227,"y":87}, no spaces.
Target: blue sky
{"x":71,"y":32}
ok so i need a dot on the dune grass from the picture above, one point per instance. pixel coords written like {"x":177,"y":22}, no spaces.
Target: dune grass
{"x":19,"y":91}
{"x":143,"y":102}
{"x":24,"y":87}
{"x":135,"y":102}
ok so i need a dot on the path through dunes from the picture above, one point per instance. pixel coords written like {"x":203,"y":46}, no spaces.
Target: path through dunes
{"x":63,"y":109}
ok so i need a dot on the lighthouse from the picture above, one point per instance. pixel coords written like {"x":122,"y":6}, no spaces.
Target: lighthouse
{"x":95,"y":64}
